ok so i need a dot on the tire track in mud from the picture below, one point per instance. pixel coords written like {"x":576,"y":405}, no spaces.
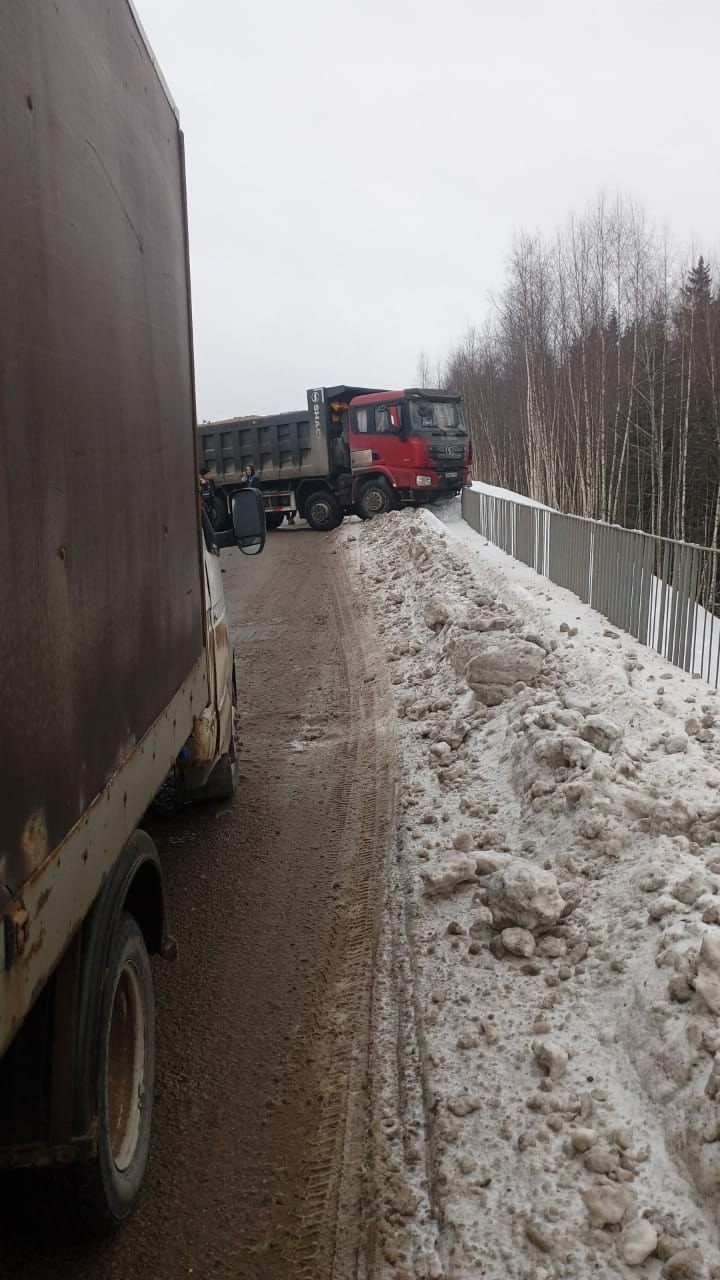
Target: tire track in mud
{"x":329,"y":1239}
{"x":401,"y":1214}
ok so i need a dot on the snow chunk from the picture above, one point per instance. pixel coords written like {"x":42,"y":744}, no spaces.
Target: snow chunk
{"x":676,"y":744}
{"x":602,"y":732}
{"x":637,"y":1242}
{"x":465,"y":1105}
{"x":576,"y":753}
{"x":519,"y":942}
{"x":662,"y":906}
{"x":691,"y":888}
{"x":687,"y":1264}
{"x":497,"y":663}
{"x":649,"y":879}
{"x":463,"y":841}
{"x":607,"y":1205}
{"x":435,"y":613}
{"x":447,"y":875}
{"x":551,"y":1057}
{"x":710,"y":951}
{"x":525,"y":895}
{"x":707,"y":983}
{"x":583,"y":1139}
{"x":488,"y":861}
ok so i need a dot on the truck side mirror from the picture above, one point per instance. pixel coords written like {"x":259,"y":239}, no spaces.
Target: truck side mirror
{"x":248,"y":517}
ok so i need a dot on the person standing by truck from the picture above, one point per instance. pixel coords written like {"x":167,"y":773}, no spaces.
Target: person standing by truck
{"x":249,"y":480}
{"x":213,"y":503}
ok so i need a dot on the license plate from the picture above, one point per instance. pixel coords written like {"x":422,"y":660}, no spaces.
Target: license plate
{"x":451,"y":475}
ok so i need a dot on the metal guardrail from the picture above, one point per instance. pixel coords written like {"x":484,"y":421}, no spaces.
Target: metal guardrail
{"x":664,"y":593}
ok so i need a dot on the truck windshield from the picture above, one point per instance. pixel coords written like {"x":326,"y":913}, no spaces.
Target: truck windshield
{"x":436,"y":415}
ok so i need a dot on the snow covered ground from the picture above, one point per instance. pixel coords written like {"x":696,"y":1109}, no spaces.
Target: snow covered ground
{"x":547,"y":1002}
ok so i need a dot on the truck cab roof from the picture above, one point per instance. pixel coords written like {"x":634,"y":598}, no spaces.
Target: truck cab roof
{"x":409,"y":393}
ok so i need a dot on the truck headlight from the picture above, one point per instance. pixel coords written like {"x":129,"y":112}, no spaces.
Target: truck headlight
{"x":423,"y":481}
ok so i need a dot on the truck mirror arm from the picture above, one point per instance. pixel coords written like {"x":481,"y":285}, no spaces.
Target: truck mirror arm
{"x":223,"y":539}
{"x":250,"y":544}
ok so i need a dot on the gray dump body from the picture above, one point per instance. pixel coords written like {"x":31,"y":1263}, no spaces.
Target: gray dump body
{"x":282,"y":448}
{"x":100,"y":579}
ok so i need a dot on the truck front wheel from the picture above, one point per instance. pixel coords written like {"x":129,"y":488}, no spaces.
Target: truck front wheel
{"x":376,"y":498}
{"x":107,"y":1189}
{"x":323,"y":511}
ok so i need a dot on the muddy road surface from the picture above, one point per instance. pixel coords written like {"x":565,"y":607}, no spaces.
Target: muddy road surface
{"x":263,"y":1019}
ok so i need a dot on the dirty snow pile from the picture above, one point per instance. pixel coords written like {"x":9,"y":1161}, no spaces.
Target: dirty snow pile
{"x":550,"y":962}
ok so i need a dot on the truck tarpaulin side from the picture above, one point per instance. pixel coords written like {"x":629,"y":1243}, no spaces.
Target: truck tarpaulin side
{"x":95,"y":373}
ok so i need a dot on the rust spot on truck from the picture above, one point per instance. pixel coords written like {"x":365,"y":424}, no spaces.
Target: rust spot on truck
{"x":35,"y":838}
{"x":202,"y":744}
{"x":36,"y":947}
{"x":17,"y":932}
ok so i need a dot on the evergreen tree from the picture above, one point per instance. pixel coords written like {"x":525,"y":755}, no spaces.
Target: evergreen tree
{"x":698,"y":289}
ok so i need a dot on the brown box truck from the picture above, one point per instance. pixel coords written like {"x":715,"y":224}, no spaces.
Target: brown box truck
{"x":114,"y":649}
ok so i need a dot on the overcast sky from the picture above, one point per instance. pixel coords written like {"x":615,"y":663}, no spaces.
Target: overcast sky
{"x":357,"y":170}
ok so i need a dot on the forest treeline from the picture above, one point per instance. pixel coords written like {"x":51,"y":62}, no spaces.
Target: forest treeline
{"x":595,"y":385}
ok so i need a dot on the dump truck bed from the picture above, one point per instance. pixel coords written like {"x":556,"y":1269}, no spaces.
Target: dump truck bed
{"x":281,"y":447}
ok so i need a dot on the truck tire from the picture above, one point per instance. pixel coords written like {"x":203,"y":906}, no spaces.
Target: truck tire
{"x":105,"y":1192}
{"x":323,"y":511}
{"x":376,"y":499}
{"x":273,"y":519}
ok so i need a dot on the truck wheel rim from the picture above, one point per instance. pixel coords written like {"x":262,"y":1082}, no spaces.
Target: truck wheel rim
{"x":321,"y":512}
{"x":375,"y":501}
{"x":126,"y":1067}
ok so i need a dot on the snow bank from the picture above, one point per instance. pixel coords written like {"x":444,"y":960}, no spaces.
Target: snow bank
{"x":552,"y":932}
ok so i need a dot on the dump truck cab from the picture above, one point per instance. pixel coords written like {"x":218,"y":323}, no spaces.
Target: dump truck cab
{"x":415,"y":440}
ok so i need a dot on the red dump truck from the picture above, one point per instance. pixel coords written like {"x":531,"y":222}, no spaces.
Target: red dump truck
{"x":114,"y":650}
{"x":353,"y":450}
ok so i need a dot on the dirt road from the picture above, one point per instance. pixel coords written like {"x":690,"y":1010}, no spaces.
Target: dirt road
{"x":263,"y":1019}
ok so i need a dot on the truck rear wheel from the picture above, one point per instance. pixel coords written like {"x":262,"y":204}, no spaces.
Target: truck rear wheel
{"x":376,"y":498}
{"x":273,"y":519}
{"x":105,"y":1191}
{"x":323,"y":511}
